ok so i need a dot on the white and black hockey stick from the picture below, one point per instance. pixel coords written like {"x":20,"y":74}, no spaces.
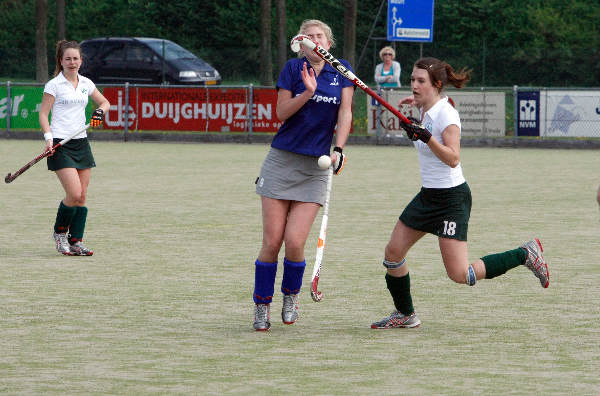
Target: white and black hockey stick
{"x":337,"y":65}
{"x":314,"y":293}
{"x":10,"y":177}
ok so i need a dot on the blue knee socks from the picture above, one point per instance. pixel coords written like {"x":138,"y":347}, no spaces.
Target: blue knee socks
{"x":264,"y":282}
{"x":292,"y":276}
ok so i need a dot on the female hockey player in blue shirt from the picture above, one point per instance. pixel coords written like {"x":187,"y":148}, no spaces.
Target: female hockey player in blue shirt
{"x":313,"y":101}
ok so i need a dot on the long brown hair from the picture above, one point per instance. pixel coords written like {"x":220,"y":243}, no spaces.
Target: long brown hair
{"x":61,"y":47}
{"x":441,"y":73}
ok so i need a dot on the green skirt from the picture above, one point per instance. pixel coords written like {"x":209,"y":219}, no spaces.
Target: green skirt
{"x":444,"y":212}
{"x":76,"y":153}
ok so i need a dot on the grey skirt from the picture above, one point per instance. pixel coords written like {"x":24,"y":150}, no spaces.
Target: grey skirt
{"x":292,"y":177}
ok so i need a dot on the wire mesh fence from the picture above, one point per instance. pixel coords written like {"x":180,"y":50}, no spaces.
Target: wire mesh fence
{"x":485,"y":111}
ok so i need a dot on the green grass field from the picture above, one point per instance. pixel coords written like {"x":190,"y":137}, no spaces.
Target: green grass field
{"x":164,"y":305}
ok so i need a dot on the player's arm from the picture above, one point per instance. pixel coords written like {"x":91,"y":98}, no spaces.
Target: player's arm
{"x":448,"y":151}
{"x":288,"y":105}
{"x":44,"y":113}
{"x":103,"y":106}
{"x":344,"y":119}
{"x":100,"y":100}
{"x":343,"y":125}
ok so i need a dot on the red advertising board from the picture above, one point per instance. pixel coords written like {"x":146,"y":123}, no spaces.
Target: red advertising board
{"x":193,"y":109}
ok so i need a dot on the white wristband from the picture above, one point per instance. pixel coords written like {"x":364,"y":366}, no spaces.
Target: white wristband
{"x":48,"y":136}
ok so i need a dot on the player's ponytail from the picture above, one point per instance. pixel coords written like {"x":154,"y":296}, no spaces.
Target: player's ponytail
{"x":457,"y":79}
{"x":441,"y":73}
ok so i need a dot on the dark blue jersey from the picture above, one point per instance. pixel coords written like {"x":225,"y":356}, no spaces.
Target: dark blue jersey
{"x":310,"y":130}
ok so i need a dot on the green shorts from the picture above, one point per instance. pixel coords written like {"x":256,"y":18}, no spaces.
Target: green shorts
{"x":76,"y":153}
{"x":443,"y":212}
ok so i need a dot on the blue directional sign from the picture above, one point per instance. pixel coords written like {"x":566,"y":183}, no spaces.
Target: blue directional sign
{"x":410,"y":20}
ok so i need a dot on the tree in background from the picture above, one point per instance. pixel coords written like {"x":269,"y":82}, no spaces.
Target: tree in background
{"x":61,"y":32}
{"x":536,"y":43}
{"x":266,"y":62}
{"x":282,"y":39}
{"x":41,"y":59}
{"x":350,"y":30}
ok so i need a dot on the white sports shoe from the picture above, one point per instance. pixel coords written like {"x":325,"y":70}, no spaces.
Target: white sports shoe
{"x":397,"y":320}
{"x":535,"y":261}
{"x":289,"y":311}
{"x":79,"y":249}
{"x":62,"y":243}
{"x":262,"y":317}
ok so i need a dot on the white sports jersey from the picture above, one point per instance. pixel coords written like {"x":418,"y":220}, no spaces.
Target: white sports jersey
{"x":434,"y":173}
{"x":68,"y":111}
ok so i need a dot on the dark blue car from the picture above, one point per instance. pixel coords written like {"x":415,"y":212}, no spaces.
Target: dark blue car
{"x":143,"y":60}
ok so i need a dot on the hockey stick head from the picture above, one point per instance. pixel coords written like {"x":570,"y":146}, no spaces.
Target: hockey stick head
{"x":302,"y":39}
{"x":316,"y":295}
{"x":7,"y":179}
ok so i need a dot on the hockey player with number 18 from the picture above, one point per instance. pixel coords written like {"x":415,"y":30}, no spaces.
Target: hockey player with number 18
{"x":443,"y":206}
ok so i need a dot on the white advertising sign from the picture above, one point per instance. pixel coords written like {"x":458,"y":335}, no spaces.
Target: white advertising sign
{"x":570,"y":113}
{"x":481,"y":113}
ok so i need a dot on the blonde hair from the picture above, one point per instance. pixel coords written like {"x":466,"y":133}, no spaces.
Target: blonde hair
{"x":321,"y":25}
{"x":387,"y":49}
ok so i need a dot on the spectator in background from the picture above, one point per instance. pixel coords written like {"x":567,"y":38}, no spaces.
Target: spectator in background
{"x":387,"y":73}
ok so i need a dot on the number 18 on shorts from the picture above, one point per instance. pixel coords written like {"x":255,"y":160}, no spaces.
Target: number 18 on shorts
{"x":443,"y":212}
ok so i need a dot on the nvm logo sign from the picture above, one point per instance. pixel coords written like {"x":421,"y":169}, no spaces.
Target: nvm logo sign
{"x":527,"y":113}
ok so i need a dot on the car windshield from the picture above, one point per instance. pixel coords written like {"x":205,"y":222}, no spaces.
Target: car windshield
{"x":172,"y":50}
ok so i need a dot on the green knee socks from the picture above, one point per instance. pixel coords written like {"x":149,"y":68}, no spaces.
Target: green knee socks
{"x":499,"y":263}
{"x":71,"y":219}
{"x":400,"y":290}
{"x":63,"y":218}
{"x":78,"y":224}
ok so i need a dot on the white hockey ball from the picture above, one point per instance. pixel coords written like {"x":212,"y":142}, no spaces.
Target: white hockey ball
{"x":324,"y":162}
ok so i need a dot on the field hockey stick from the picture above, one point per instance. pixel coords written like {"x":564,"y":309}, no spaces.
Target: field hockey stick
{"x":10,"y":177}
{"x":337,"y":65}
{"x":314,"y":293}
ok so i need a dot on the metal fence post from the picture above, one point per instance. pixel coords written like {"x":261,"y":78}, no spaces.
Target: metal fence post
{"x":207,"y":107}
{"x":515,"y":109}
{"x":126,"y":113}
{"x":484,"y":116}
{"x":545,"y":112}
{"x":250,"y":110}
{"x":9,"y":106}
{"x":378,"y":113}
